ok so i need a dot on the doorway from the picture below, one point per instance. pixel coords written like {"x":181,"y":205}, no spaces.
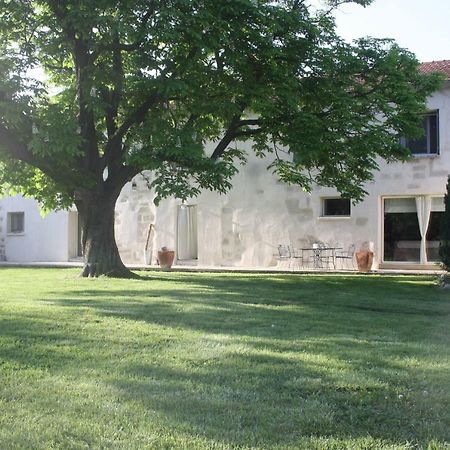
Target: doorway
{"x":75,"y":249}
{"x":187,"y":246}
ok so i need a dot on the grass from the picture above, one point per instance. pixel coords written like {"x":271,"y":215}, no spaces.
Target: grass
{"x":219,"y":361}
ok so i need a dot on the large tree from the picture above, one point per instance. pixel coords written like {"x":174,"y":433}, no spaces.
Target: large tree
{"x":94,"y":92}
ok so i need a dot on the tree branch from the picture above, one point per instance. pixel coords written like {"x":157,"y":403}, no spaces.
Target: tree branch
{"x":227,"y":138}
{"x":249,"y":122}
{"x":132,"y":46}
{"x":20,"y":151}
{"x":82,"y":59}
{"x":248,"y":133}
{"x":122,"y":176}
{"x":61,"y":14}
{"x":114,"y":96}
{"x":137,"y":116}
{"x":86,"y":117}
{"x":233,"y":131}
{"x":13,"y":146}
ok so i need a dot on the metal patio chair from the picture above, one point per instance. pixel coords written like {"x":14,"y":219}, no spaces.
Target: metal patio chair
{"x":284,"y":254}
{"x":325,"y":256}
{"x":348,"y":257}
{"x":297,"y":256}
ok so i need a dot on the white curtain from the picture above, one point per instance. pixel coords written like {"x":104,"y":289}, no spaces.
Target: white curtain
{"x":187,"y":232}
{"x":423,"y":205}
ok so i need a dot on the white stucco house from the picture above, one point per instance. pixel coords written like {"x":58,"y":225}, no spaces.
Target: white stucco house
{"x":399,"y":217}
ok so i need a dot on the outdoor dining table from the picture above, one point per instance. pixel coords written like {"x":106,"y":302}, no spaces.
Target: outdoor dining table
{"x":317,"y":253}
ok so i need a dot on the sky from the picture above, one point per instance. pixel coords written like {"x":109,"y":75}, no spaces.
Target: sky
{"x":421,"y":26}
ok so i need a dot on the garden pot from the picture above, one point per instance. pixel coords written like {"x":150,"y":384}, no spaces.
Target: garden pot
{"x":165,"y":258}
{"x":364,"y":260}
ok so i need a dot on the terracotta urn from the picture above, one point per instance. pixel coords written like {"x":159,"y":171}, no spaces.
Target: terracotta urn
{"x":364,"y":260}
{"x":165,"y":258}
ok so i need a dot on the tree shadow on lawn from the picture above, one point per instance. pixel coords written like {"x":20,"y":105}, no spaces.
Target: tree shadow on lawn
{"x":36,"y":342}
{"x":326,"y":303}
{"x":249,"y":393}
{"x":253,"y":400}
{"x":247,"y":361}
{"x":387,"y":291}
{"x":320,"y":357}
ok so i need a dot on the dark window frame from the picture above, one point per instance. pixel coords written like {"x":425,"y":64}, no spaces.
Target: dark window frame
{"x":11,"y":222}
{"x":431,"y":144}
{"x":326,"y":208}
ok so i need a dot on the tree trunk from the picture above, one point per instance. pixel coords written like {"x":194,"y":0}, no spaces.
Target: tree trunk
{"x":101,"y":256}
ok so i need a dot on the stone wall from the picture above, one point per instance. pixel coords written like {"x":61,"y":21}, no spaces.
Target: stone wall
{"x":244,"y":227}
{"x":135,"y":211}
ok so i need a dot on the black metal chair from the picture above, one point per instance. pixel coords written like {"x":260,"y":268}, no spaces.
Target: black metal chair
{"x":325,"y":256}
{"x":297,"y":256}
{"x":348,"y":256}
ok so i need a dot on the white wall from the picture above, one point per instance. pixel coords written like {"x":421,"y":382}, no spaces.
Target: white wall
{"x":135,"y":211}
{"x":244,"y":227}
{"x":43,"y":239}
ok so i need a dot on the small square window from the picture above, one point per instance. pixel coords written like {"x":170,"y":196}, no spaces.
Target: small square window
{"x":16,"y":222}
{"x":428,"y":143}
{"x":335,"y":207}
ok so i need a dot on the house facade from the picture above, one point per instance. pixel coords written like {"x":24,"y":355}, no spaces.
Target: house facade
{"x":27,"y":236}
{"x":398,"y":219}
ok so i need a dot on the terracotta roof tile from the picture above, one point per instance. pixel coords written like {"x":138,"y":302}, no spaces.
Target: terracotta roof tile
{"x":436,"y":66}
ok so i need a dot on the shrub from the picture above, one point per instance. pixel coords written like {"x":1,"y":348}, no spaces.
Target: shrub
{"x":444,"y":246}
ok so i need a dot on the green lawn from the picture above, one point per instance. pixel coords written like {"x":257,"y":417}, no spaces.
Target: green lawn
{"x":218,"y":361}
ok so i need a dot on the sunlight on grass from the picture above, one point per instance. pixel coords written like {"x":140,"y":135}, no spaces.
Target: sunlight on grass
{"x":201,"y":361}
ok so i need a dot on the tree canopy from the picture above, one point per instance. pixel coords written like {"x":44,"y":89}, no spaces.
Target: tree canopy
{"x":174,"y":86}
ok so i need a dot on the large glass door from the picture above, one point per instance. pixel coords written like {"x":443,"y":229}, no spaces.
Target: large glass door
{"x":401,"y":230}
{"x":411,"y":228}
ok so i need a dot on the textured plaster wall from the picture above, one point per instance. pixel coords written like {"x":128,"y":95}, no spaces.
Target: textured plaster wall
{"x":244,"y":227}
{"x":43,"y":239}
{"x":135,"y":211}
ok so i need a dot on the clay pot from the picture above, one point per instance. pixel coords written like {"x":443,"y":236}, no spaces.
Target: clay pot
{"x":364,"y":260}
{"x":165,"y":258}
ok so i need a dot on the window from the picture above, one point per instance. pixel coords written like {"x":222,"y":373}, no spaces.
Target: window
{"x":16,"y":222}
{"x":428,"y":143}
{"x":332,"y":207}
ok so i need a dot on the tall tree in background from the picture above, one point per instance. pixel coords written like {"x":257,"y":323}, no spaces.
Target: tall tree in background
{"x":444,"y":246}
{"x":133,"y":85}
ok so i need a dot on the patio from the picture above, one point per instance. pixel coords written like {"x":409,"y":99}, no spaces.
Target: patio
{"x":182,"y":267}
